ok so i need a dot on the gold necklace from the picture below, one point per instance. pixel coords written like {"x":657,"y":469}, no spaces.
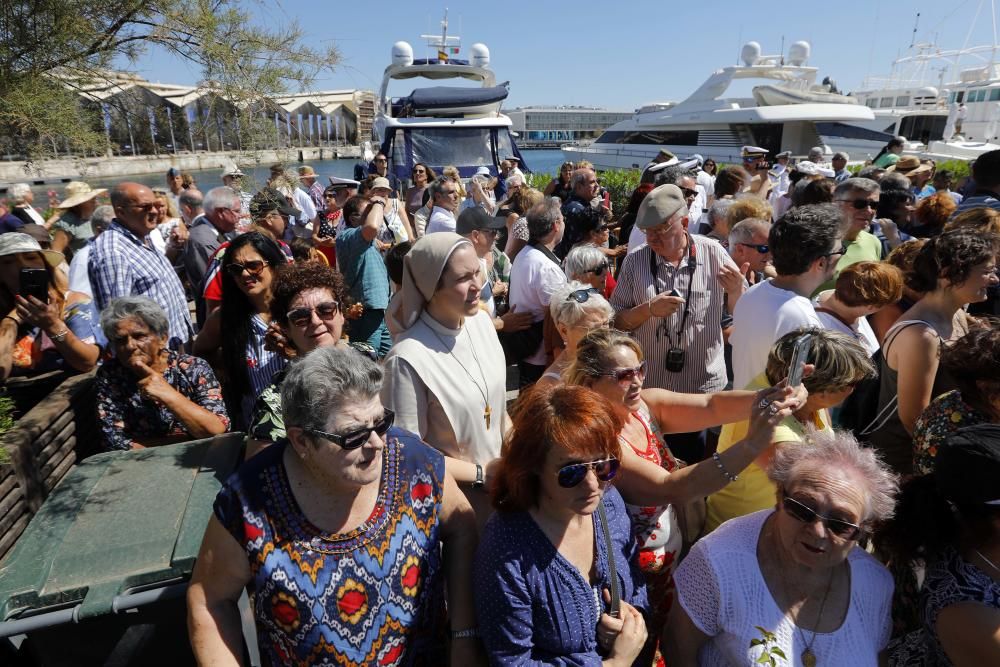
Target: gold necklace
{"x":488,"y":411}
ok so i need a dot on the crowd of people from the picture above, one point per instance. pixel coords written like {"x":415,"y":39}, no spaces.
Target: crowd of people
{"x":756,"y":419}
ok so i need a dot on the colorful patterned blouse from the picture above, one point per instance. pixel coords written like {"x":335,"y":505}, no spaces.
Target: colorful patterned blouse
{"x":372,"y":596}
{"x":945,"y":415}
{"x":34,"y":352}
{"x":124,"y":414}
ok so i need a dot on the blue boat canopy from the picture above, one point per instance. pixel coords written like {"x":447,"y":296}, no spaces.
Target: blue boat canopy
{"x":448,"y":97}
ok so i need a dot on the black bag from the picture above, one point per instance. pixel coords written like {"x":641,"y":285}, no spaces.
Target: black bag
{"x":520,"y":345}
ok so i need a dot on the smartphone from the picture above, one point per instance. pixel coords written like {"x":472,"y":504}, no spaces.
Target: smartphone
{"x":800,"y":356}
{"x":673,"y":292}
{"x":35,"y":282}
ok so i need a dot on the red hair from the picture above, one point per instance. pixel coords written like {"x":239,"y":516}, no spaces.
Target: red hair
{"x":570,"y":419}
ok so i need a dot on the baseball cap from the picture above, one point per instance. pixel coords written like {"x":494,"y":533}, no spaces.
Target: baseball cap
{"x":474,"y":218}
{"x":268,"y":200}
{"x":381,"y":182}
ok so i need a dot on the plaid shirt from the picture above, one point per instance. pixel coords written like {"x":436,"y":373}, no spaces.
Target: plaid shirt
{"x":120,"y":264}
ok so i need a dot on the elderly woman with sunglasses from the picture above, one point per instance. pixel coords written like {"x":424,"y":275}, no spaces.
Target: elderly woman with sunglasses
{"x":839,"y":363}
{"x":576,"y":310}
{"x":308,"y":305}
{"x":147,"y":394}
{"x":790,"y":582}
{"x":589,"y":264}
{"x":653,"y":482}
{"x":558,"y":551}
{"x":347,"y":536}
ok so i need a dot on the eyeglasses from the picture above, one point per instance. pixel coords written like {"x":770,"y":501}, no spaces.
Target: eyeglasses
{"x":574,"y":473}
{"x":598,"y":271}
{"x":842,"y":251}
{"x":688,"y":192}
{"x":762,"y":248}
{"x":380,"y":159}
{"x":356,"y":439}
{"x":627,"y":375}
{"x":581,"y":295}
{"x":842,"y":529}
{"x":147,"y":207}
{"x":301,"y":317}
{"x":861,"y":204}
{"x":419,"y":171}
{"x":254,"y":267}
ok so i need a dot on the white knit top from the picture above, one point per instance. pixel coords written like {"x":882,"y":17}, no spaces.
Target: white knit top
{"x":721,"y":588}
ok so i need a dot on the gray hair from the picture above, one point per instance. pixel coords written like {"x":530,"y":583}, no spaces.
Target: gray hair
{"x":744,"y":230}
{"x":719,"y":210}
{"x":581,"y":259}
{"x":19,"y":191}
{"x":221,"y":197}
{"x":579,"y":177}
{"x":190,"y":198}
{"x":102,"y":217}
{"x":673,"y":174}
{"x":435,"y":187}
{"x":856,"y":184}
{"x":872,"y":172}
{"x":542,"y":218}
{"x":134,"y":308}
{"x":323,"y":381}
{"x":514,"y":180}
{"x":840,"y":451}
{"x":815,"y":150}
{"x":894,"y":181}
{"x":842,"y":155}
{"x":570,"y":312}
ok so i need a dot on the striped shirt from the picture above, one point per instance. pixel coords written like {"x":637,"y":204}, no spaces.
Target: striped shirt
{"x":701,"y":339}
{"x":122,"y":264}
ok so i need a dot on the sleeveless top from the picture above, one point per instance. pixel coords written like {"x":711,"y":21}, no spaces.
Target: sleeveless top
{"x":656,"y":529}
{"x":371,"y":596}
{"x":892,"y":440}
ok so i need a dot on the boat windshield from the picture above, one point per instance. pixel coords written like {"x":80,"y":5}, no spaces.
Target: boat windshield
{"x":462,"y":147}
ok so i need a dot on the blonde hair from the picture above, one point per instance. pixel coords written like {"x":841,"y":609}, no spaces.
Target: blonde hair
{"x":743,"y":208}
{"x":592,"y":355}
{"x":451,"y":172}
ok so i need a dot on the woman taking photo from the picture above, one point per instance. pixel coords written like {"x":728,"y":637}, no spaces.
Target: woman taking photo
{"x":839,"y":363}
{"x":308,"y":302}
{"x":346,"y":536}
{"x":446,"y":377}
{"x":953,"y":269}
{"x":39,"y":336}
{"x":789,"y":585}
{"x":246,"y":365}
{"x":560,"y":541}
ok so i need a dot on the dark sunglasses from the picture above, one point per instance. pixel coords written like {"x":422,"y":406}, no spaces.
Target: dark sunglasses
{"x":598,"y":271}
{"x":627,"y":374}
{"x":842,"y":251}
{"x":582,"y":295}
{"x":806,"y":514}
{"x":301,"y":317}
{"x":688,"y":192}
{"x":574,"y":473}
{"x":861,"y":204}
{"x":356,"y":439}
{"x":762,"y":248}
{"x":254,"y":267}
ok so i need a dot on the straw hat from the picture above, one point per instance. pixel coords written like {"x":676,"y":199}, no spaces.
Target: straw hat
{"x":78,"y":192}
{"x":15,"y":243}
{"x":909,"y":165}
{"x":306,"y":171}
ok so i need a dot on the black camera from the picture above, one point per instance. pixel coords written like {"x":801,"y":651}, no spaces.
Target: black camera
{"x":675,"y":360}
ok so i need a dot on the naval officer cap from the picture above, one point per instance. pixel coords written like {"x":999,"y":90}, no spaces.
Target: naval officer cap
{"x":660,"y":205}
{"x":783,"y":154}
{"x":753,"y":151}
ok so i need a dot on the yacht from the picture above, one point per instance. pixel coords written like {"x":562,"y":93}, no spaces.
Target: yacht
{"x":788,"y":111}
{"x":908,"y":103}
{"x":440,"y":125}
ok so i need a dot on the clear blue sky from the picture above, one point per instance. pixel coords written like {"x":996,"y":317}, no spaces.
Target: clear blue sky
{"x":618,"y":54}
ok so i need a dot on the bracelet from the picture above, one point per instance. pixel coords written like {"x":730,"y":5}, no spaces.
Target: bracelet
{"x":480,"y":478}
{"x":722,"y":468}
{"x":468,"y":633}
{"x":59,"y":337}
{"x":13,"y":319}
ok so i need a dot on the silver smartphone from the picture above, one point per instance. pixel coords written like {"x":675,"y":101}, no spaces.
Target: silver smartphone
{"x":800,"y":356}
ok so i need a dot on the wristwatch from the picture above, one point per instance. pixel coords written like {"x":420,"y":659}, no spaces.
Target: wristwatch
{"x":480,"y":478}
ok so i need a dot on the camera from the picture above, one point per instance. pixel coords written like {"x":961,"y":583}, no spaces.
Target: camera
{"x":675,"y":360}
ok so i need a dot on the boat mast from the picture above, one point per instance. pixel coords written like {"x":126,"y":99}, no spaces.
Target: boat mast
{"x":442,"y":42}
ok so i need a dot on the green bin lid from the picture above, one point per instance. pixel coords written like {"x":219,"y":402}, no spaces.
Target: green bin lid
{"x":118,"y":522}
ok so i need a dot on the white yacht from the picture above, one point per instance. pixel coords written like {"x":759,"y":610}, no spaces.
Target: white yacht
{"x":788,"y":111}
{"x":442,"y":125}
{"x":908,"y":103}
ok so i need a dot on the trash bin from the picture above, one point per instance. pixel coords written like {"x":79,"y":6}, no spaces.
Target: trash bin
{"x":99,"y":575}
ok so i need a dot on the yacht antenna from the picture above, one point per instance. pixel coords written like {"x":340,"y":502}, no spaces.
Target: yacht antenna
{"x":913,"y":37}
{"x":443,"y":43}
{"x":739,"y":45}
{"x":781,"y":61}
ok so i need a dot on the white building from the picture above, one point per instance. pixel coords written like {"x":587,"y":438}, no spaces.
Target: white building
{"x":551,"y":126}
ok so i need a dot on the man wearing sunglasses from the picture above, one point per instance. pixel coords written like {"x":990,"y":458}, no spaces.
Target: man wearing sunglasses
{"x":858,"y":199}
{"x":748,"y":246}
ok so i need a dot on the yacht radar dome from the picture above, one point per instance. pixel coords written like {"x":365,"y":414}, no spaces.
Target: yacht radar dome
{"x":402,"y":54}
{"x":750,"y":54}
{"x":479,"y":55}
{"x":798,"y":53}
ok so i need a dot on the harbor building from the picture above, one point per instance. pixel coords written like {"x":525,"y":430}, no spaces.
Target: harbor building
{"x":551,"y":126}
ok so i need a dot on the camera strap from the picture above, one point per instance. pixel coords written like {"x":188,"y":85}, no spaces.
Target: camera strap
{"x":654,"y":271}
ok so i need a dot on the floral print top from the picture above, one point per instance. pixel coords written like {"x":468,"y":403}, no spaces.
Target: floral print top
{"x":124,"y":414}
{"x":945,"y":415}
{"x":34,"y":352}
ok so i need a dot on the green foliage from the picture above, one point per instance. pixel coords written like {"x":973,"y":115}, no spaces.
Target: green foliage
{"x":51,"y":50}
{"x":769,"y":655}
{"x":6,"y":422}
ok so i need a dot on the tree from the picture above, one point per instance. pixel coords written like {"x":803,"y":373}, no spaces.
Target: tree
{"x":52,"y":50}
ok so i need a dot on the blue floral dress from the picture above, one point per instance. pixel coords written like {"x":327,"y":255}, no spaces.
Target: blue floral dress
{"x":371,"y":596}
